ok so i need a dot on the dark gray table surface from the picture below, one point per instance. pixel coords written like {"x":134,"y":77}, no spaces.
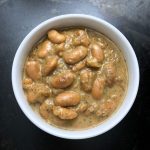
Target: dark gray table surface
{"x":18,"y":17}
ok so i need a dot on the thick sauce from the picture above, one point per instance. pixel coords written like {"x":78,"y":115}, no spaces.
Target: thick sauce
{"x":75,"y":78}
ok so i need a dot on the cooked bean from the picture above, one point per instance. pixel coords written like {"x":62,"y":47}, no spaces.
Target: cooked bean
{"x":32,"y":97}
{"x":27,"y":82}
{"x":82,"y":107}
{"x":79,"y":66}
{"x":38,"y":92}
{"x":76,"y":55}
{"x":92,"y":108}
{"x":86,"y":79}
{"x":68,"y":98}
{"x":56,"y":37}
{"x":64,"y":113}
{"x":110,"y":72}
{"x":81,"y":38}
{"x":92,"y":62}
{"x":85,"y":41}
{"x":97,"y":52}
{"x":60,"y":47}
{"x":33,"y":70}
{"x":98,"y":88}
{"x":62,"y":80}
{"x":43,"y":49}
{"x":45,"y":108}
{"x":106,"y":108}
{"x":50,"y":65}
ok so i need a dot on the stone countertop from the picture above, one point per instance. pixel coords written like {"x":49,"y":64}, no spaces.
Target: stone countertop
{"x":18,"y":17}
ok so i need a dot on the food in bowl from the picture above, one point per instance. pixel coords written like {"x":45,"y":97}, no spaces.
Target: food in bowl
{"x":75,"y":78}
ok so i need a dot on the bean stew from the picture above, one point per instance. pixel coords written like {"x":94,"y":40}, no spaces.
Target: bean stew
{"x":75,"y":78}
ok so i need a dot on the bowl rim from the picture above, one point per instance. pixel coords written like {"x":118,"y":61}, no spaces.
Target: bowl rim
{"x":70,"y":134}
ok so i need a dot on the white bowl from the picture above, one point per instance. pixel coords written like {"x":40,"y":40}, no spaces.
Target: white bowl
{"x":66,"y":21}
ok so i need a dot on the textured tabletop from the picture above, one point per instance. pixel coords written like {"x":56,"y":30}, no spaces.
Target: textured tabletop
{"x":18,"y":17}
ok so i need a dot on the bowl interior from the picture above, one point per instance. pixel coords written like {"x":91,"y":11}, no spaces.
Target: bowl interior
{"x":69,"y":21}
